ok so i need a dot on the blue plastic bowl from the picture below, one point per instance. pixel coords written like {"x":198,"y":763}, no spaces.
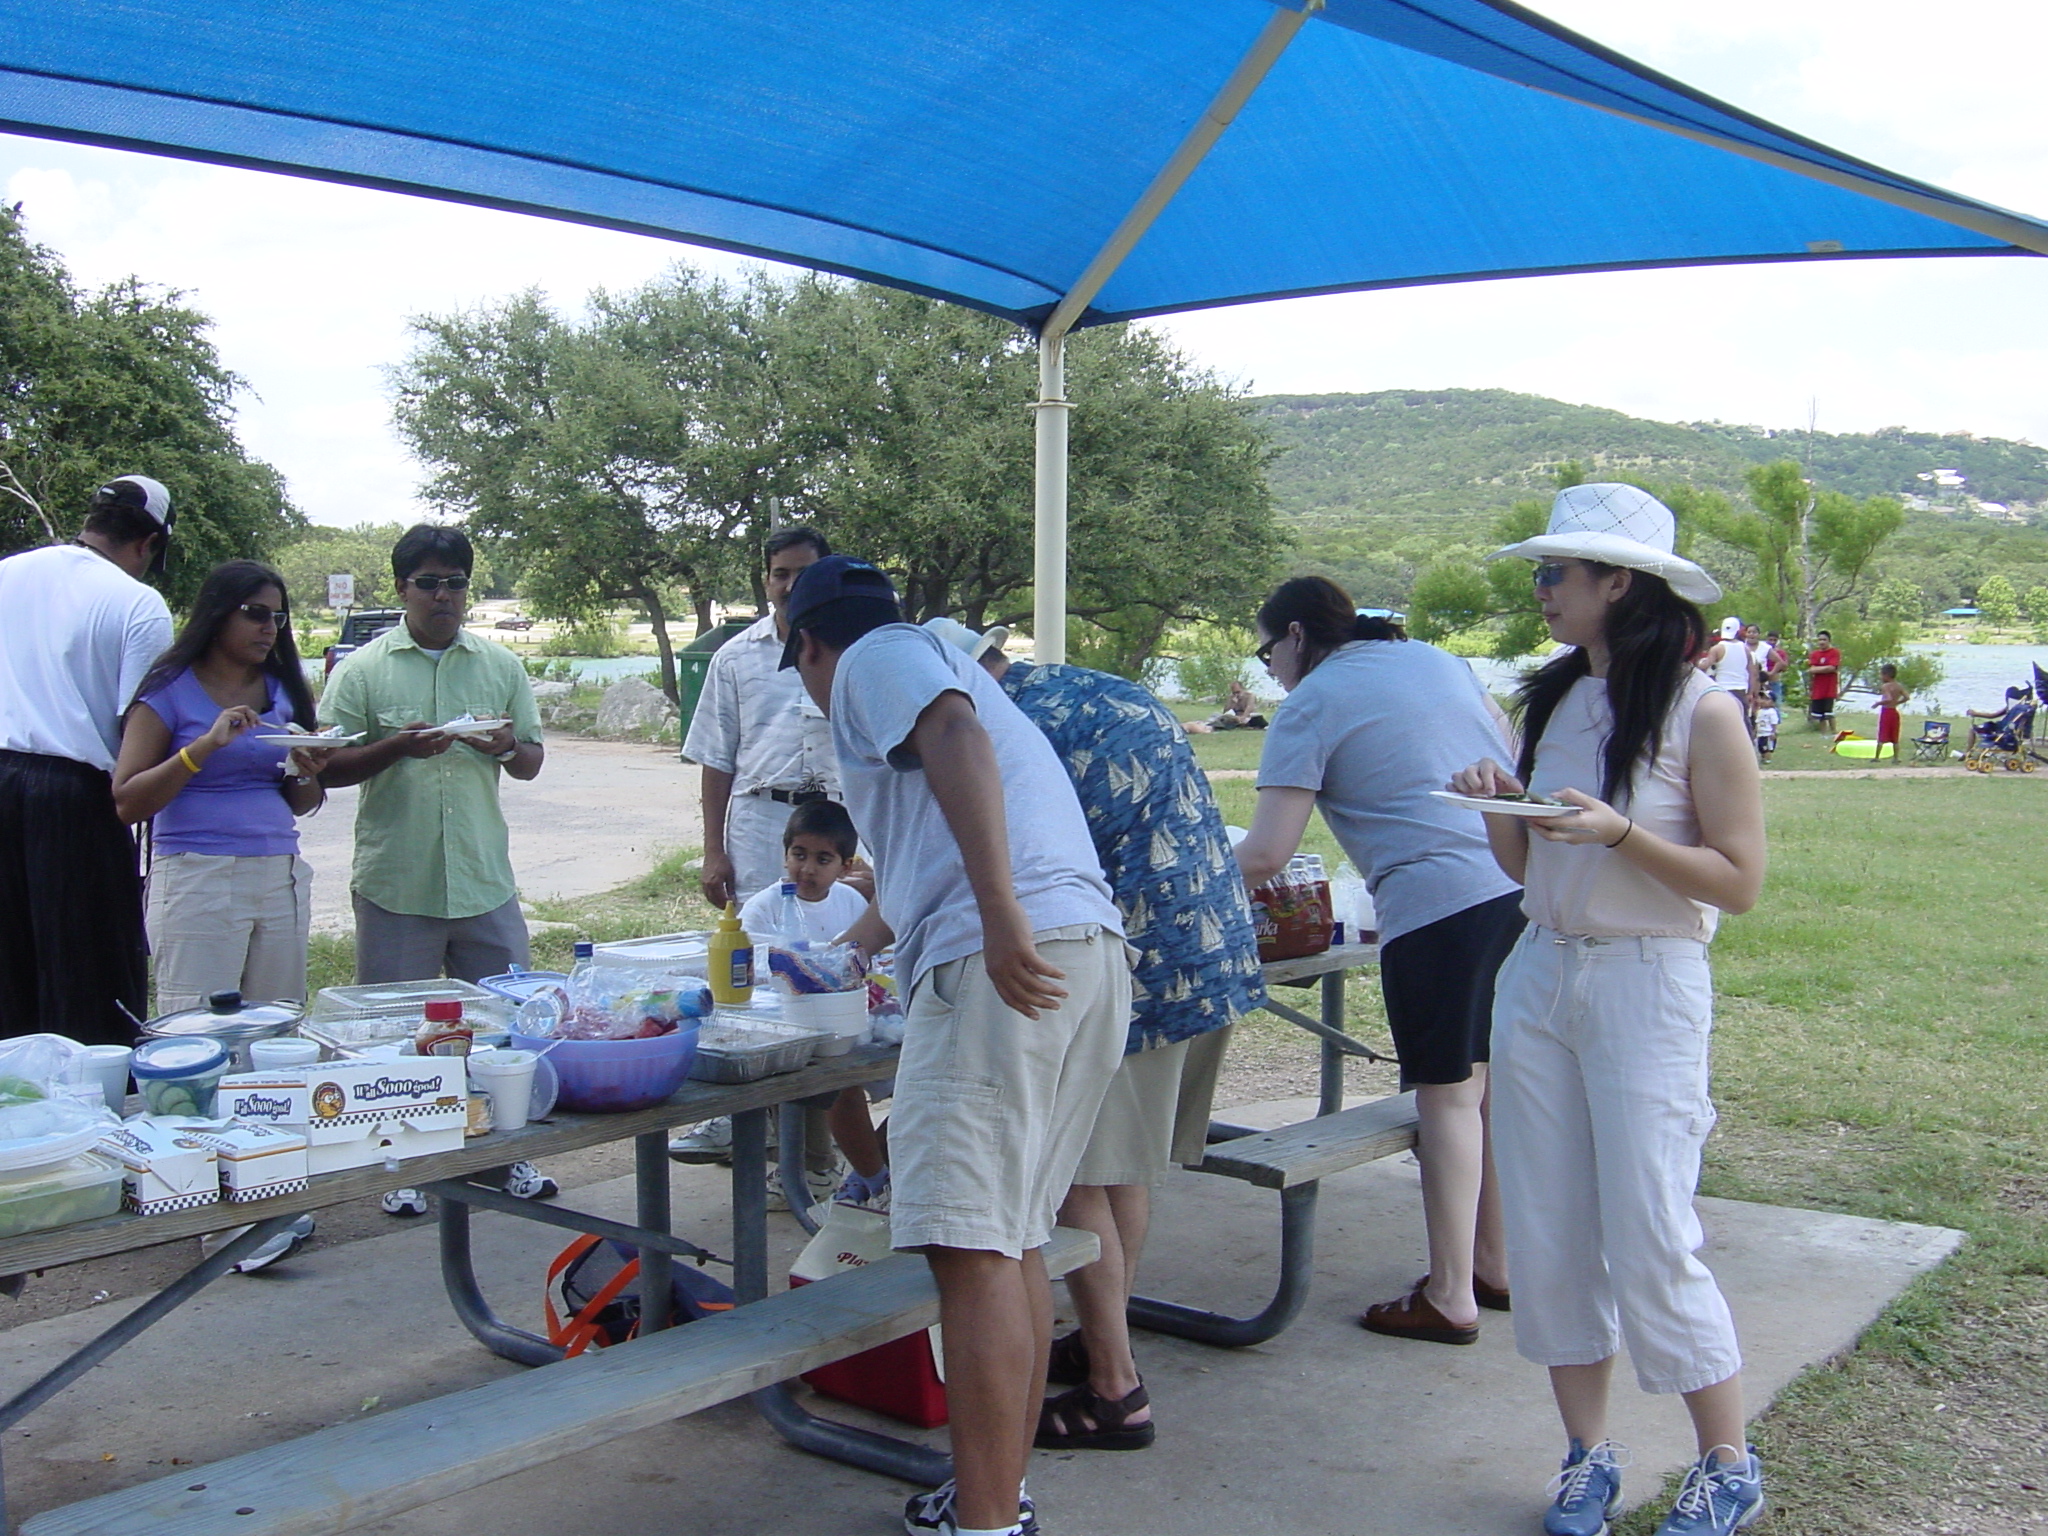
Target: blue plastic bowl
{"x":609,"y":1077}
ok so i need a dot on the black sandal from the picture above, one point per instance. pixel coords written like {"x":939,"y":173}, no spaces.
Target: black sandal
{"x":1068,"y":1364}
{"x":1062,"y":1422}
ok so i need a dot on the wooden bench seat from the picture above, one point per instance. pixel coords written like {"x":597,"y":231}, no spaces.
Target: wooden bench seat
{"x":1315,"y":1149}
{"x":369,"y":1469}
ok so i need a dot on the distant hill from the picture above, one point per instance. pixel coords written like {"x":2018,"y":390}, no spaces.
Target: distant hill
{"x":1377,"y":484}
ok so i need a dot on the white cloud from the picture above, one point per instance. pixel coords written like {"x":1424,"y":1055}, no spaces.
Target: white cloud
{"x":311,"y":284}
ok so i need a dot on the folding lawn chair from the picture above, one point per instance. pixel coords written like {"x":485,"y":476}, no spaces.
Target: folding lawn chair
{"x":1931,"y":745}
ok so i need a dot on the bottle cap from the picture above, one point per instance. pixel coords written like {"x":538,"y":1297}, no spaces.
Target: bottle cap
{"x":444,"y":1010}
{"x":585,"y":948}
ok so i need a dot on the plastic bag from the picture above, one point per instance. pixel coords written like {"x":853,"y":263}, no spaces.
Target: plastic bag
{"x":628,"y":1005}
{"x":51,"y":1107}
{"x":821,"y":968}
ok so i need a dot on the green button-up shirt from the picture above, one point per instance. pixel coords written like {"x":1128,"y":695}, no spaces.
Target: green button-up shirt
{"x":430,"y":837}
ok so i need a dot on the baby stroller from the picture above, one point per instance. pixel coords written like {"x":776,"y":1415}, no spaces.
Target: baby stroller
{"x":1931,"y":745}
{"x":2002,"y":743}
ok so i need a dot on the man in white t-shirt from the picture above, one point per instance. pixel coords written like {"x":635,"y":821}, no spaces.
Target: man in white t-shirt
{"x":1010,"y":955}
{"x":78,"y":629}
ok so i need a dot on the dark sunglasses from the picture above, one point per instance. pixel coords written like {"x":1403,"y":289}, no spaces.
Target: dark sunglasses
{"x":1264,"y":654}
{"x":260,"y":616}
{"x":436,"y":583}
{"x":1550,"y":573}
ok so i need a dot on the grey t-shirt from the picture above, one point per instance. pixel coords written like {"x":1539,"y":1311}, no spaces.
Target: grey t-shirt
{"x":886,"y":680}
{"x":1372,"y":730}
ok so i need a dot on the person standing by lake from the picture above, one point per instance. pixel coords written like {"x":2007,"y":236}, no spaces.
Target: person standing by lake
{"x":230,"y":900}
{"x":1605,"y":1008}
{"x":1891,"y":698}
{"x":1372,"y":723}
{"x":1823,"y":680}
{"x":78,"y":630}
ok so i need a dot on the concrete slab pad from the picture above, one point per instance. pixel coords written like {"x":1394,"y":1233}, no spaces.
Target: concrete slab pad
{"x":1324,"y":1430}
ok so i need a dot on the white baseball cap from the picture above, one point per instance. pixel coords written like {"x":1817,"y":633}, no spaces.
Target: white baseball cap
{"x":960,"y":637}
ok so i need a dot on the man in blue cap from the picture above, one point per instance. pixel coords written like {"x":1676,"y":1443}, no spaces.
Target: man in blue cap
{"x":1010,"y":954}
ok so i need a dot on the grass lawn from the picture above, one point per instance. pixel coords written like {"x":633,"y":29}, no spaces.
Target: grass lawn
{"x":1882,"y":1050}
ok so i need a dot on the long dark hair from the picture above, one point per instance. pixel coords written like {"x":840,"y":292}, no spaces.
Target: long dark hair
{"x":1326,"y":614}
{"x":226,"y":588}
{"x":1653,"y":635}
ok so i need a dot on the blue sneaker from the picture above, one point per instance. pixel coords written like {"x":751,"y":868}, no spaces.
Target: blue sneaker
{"x":1586,"y":1490}
{"x":1717,"y":1498}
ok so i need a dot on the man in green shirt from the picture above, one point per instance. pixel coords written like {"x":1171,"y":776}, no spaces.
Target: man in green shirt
{"x":432,"y":886}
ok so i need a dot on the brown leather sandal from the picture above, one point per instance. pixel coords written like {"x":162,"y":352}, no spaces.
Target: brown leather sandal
{"x":1063,"y":1422}
{"x":1414,"y":1317}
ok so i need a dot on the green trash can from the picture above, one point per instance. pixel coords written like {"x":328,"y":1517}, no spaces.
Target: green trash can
{"x":693,"y":661}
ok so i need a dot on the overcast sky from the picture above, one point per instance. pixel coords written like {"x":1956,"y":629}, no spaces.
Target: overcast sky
{"x":311,"y":284}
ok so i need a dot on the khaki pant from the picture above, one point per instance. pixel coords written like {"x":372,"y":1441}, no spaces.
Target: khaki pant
{"x":218,"y":923}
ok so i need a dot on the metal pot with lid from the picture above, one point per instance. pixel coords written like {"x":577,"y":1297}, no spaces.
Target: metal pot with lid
{"x":231,"y":1021}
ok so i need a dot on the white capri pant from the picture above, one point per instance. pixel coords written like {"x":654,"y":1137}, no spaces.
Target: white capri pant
{"x":216,"y":922}
{"x":1600,"y":1109}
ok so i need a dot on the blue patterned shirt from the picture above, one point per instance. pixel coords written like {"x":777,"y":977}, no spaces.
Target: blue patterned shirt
{"x":1161,"y":841}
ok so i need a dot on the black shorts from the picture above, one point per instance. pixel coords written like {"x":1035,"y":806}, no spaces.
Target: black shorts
{"x":1438,"y":983}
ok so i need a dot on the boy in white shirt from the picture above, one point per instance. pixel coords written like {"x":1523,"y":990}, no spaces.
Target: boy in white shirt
{"x":1767,"y":718}
{"x":818,"y":848}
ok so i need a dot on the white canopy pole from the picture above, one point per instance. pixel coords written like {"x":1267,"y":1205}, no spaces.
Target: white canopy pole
{"x":1049,"y":611}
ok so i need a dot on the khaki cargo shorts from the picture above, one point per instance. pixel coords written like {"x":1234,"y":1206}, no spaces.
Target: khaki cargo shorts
{"x":992,"y":1109}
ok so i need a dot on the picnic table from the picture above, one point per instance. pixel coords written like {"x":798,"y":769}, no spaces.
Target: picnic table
{"x":287,"y":1489}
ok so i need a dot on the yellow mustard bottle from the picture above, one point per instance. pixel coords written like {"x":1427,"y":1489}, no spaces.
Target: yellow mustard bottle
{"x":732,"y":960}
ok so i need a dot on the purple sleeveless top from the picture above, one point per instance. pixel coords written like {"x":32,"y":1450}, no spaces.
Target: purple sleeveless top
{"x":234,"y":805}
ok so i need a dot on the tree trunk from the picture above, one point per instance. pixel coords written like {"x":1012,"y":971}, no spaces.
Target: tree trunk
{"x":658,"y":616}
{"x":700,"y":602}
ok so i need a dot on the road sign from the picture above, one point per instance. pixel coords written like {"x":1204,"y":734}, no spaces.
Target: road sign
{"x":341,"y":591}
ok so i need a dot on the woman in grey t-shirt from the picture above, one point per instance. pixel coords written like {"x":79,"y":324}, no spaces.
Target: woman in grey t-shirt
{"x":1373,"y":723}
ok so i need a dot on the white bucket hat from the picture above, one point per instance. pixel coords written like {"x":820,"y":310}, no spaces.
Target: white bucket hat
{"x":976,"y":644}
{"x":1617,"y":525}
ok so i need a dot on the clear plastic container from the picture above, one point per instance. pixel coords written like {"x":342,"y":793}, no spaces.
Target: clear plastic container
{"x":36,"y":1199}
{"x":732,"y":1048}
{"x":403,"y":999}
{"x":689,"y":952}
{"x":180,"y":1075}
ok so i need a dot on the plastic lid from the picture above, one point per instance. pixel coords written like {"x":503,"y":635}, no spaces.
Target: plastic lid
{"x":585,"y":949}
{"x":444,"y":1010}
{"x":181,"y":1056}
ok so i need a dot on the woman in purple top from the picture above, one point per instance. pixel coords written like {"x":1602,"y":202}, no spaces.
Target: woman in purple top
{"x":229,"y":897}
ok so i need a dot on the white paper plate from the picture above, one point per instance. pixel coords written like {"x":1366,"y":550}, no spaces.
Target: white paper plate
{"x":305,"y":739}
{"x":1503,"y":807}
{"x":473,"y":728}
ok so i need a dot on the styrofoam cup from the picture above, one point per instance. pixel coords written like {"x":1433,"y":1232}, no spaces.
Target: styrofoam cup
{"x":844,"y":1013}
{"x":110,"y":1066}
{"x":283,"y":1051}
{"x":507,"y":1076}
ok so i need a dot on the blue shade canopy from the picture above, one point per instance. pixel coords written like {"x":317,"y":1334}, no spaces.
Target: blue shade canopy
{"x":986,"y":152}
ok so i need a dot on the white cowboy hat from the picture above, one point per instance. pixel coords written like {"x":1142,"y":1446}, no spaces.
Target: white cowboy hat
{"x":960,"y":637}
{"x":1617,"y":525}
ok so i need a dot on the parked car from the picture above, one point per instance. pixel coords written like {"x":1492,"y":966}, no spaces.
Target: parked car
{"x":360,"y":628}
{"x":515,"y":621}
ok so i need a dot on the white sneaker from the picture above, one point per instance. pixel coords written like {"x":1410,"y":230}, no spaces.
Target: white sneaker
{"x":819,"y":1183}
{"x":710,"y":1142}
{"x":404,"y":1202}
{"x":281,"y":1245}
{"x":523,"y":1181}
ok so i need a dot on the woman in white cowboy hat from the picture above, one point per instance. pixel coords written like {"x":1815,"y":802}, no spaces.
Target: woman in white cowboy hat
{"x":1602,"y":1012}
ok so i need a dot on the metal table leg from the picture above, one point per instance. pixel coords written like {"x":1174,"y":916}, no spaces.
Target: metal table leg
{"x":792,"y":1138}
{"x":803,"y":1429}
{"x":650,"y":1177}
{"x":1333,"y":1054}
{"x":458,"y":1278}
{"x":1297,"y":1260}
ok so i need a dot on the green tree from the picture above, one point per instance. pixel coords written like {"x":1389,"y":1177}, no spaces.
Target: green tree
{"x":1811,"y":549}
{"x":1996,"y":602}
{"x":125,"y":380}
{"x":363,"y":552}
{"x":1897,"y":598}
{"x":1460,"y":593}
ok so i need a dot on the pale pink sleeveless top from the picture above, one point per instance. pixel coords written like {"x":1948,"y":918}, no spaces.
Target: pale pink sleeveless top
{"x":1585,"y":889}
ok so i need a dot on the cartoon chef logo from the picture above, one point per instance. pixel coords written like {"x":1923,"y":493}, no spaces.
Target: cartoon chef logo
{"x":329,"y":1101}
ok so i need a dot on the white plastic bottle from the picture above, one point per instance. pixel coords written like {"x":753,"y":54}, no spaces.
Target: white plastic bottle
{"x":789,"y":919}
